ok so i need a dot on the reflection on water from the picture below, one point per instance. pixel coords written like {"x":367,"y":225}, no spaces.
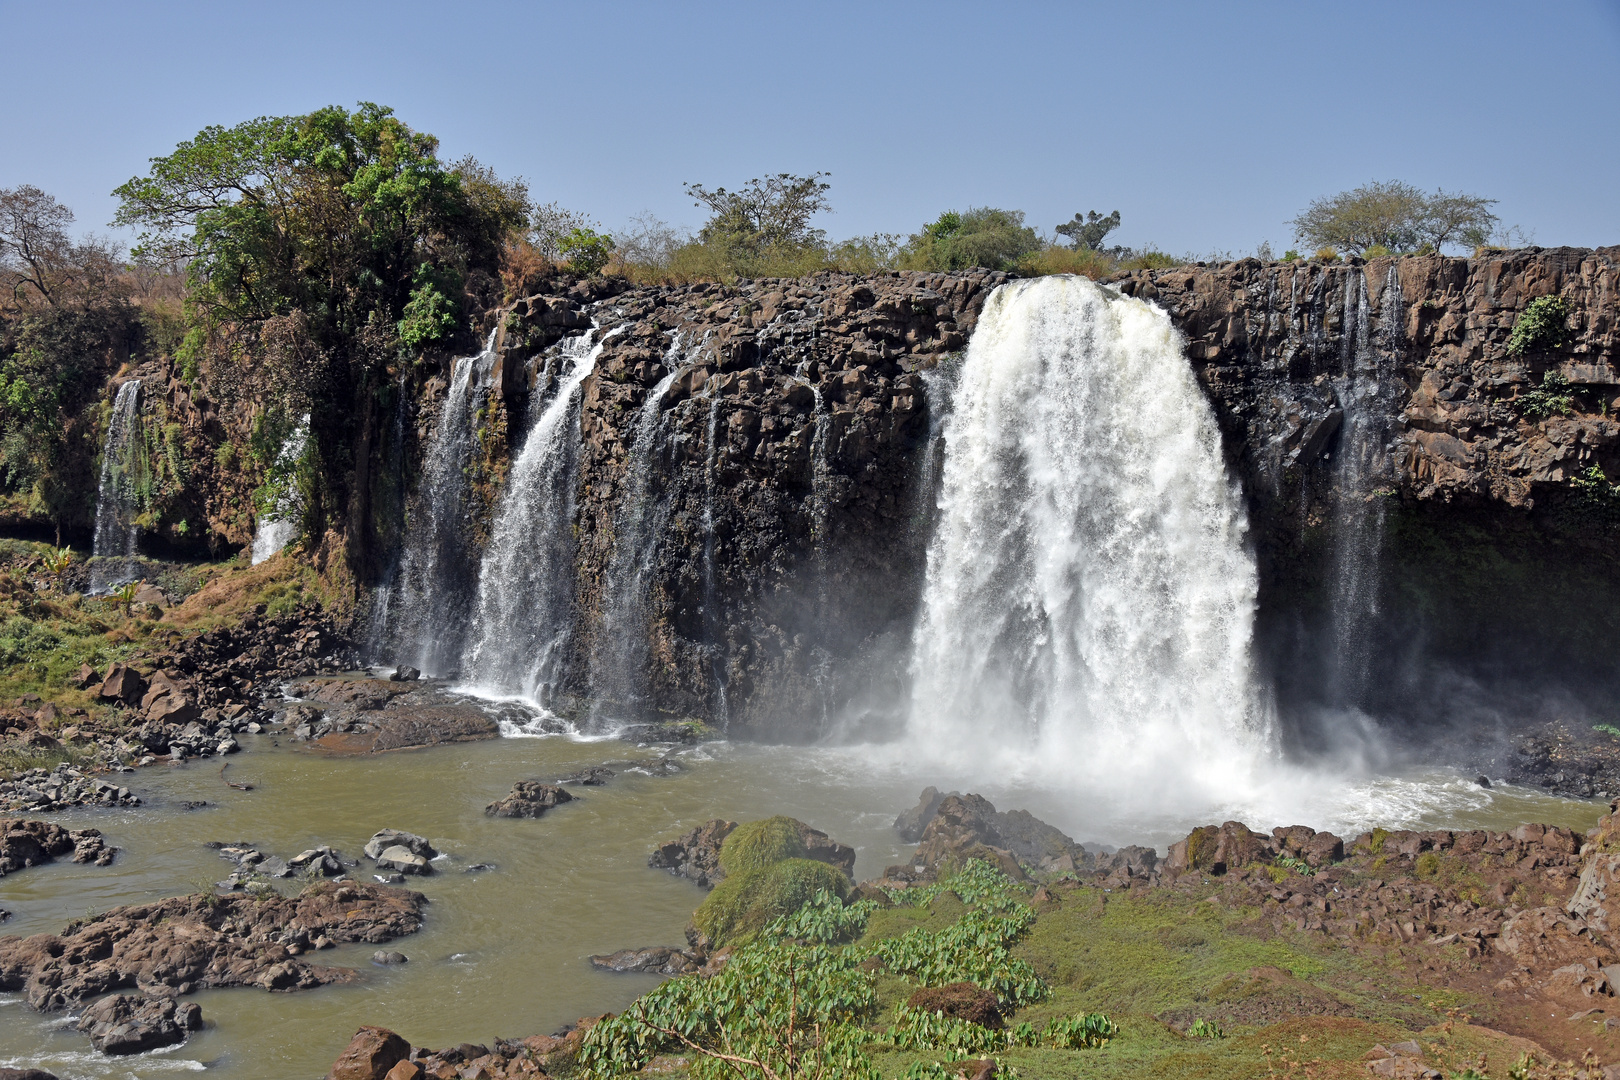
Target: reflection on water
{"x":502,"y":952}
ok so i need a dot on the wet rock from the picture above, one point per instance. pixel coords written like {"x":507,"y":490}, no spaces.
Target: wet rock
{"x":121,"y":1024}
{"x":657,"y":960}
{"x":324,"y":860}
{"x":960,"y":1000}
{"x":403,"y":860}
{"x":911,"y":823}
{"x":528,"y":799}
{"x":387,"y":838}
{"x":26,"y":843}
{"x":695,"y":855}
{"x":1217,"y":849}
{"x":195,"y":942}
{"x":370,"y":1055}
{"x":593,"y":777}
{"x":26,"y":1074}
{"x":383,"y":956}
{"x":405,"y":674}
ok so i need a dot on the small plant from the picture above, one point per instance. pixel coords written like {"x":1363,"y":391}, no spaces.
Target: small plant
{"x":124,"y":595}
{"x":1205,"y":1029}
{"x":1552,"y":397}
{"x":1541,"y":326}
{"x":1607,"y":729}
{"x":1290,"y":255}
{"x":57,"y":562}
{"x":1326,"y":254}
{"x":1296,"y":865}
{"x":1594,"y":492}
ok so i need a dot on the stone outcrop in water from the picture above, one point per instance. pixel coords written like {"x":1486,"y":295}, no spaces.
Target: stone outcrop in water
{"x":26,"y":843}
{"x":529,"y":799}
{"x":188,"y":943}
{"x":696,"y":854}
{"x":123,"y":1024}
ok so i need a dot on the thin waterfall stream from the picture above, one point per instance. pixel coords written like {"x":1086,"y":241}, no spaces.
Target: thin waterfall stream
{"x":117,"y":502}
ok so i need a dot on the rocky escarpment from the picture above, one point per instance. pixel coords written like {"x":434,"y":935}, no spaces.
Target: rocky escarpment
{"x":757,"y":463}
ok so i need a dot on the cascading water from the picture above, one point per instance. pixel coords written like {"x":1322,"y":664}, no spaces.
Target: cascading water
{"x":278,"y":525}
{"x":430,"y":621}
{"x":1089,"y":600}
{"x":116,"y":499}
{"x":523,"y":619}
{"x":619,"y":659}
{"x":1362,"y":468}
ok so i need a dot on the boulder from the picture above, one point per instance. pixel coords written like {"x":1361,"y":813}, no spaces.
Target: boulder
{"x":387,"y":838}
{"x":370,"y":1055}
{"x":402,"y":859}
{"x":385,"y":956}
{"x":169,"y":700}
{"x":123,"y":1024}
{"x":961,"y":1001}
{"x":123,"y":683}
{"x":656,"y":960}
{"x":325,"y":861}
{"x":26,"y":1074}
{"x":911,"y":823}
{"x":695,"y":855}
{"x":1599,"y":877}
{"x":528,"y":799}
{"x":405,"y":674}
{"x":405,"y":1070}
{"x":84,"y":678}
{"x":1217,"y":849}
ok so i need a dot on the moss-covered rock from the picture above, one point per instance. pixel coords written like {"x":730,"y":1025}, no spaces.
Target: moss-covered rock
{"x":746,"y":901}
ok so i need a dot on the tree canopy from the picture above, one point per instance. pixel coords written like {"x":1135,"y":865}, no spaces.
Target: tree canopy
{"x":1396,"y":217}
{"x":1088,"y":231}
{"x":767,"y":217}
{"x":982,"y":236}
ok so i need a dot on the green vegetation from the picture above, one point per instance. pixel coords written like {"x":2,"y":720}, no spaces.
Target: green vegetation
{"x":1541,"y":327}
{"x":586,"y":251}
{"x":744,"y":903}
{"x":755,"y":845}
{"x":981,"y":236}
{"x":1088,"y":231}
{"x":1552,"y":398}
{"x":1394,"y":218}
{"x":1607,"y":729}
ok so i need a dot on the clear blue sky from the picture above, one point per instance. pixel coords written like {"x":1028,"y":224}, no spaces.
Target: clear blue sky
{"x":1206,"y":125}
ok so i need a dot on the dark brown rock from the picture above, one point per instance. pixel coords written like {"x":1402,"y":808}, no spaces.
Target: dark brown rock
{"x":121,"y":1024}
{"x":123,"y":683}
{"x":961,"y":1001}
{"x":370,"y":1055}
{"x":696,"y":854}
{"x":528,"y":799}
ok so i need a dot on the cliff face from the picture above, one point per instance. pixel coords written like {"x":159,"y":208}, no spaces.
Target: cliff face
{"x":757,"y":473}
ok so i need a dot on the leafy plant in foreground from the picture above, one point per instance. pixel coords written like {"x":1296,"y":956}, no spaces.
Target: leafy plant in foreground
{"x":1552,"y":397}
{"x":1541,"y":326}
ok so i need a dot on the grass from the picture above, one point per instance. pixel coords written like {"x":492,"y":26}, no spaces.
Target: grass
{"x":742,"y":904}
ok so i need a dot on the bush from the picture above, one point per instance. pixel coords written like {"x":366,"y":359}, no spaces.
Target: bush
{"x":1540,"y":326}
{"x":745,"y":903}
{"x":586,"y":250}
{"x":1552,"y":397}
{"x":983,"y":236}
{"x":758,"y":844}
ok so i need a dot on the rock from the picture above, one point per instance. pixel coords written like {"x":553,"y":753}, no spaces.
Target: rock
{"x":405,"y":1070}
{"x":1599,"y":878}
{"x":657,"y":960}
{"x":123,"y":683}
{"x":26,"y":1074}
{"x":963,"y":828}
{"x":960,"y":1000}
{"x":28,"y":843}
{"x":195,"y":942}
{"x":1217,"y":849}
{"x":911,"y":823}
{"x":388,"y":838}
{"x":84,"y":678}
{"x":403,"y":860}
{"x":592,"y":777}
{"x":121,"y":1024}
{"x":405,"y":674}
{"x":151,"y":594}
{"x":168,"y":700}
{"x":695,"y":855}
{"x":371,"y":1055}
{"x":324,"y":860}
{"x":528,"y":799}
{"x":383,"y":956}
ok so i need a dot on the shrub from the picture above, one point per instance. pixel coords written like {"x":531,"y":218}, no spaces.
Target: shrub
{"x":757,"y":844}
{"x":982,"y":236}
{"x":1553,"y":396}
{"x":586,"y":250}
{"x":745,"y":903}
{"x":1205,"y":1029}
{"x":1541,"y":326}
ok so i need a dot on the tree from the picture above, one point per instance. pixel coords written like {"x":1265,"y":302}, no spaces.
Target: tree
{"x":40,"y":262}
{"x":1088,"y":232}
{"x":1394,"y":216}
{"x":769,"y":215}
{"x":983,"y":236}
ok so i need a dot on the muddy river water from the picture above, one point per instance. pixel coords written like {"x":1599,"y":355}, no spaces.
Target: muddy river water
{"x":503,"y":951}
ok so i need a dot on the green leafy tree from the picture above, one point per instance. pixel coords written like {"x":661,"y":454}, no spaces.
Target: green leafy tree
{"x":982,"y":236}
{"x":766,"y":219}
{"x":586,"y":251}
{"x":316,"y":247}
{"x":1087,"y":231}
{"x":1396,"y":217}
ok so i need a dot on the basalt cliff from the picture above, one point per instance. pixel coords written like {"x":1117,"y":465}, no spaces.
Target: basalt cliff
{"x":756,"y":466}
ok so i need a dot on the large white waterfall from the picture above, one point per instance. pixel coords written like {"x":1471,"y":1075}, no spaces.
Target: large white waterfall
{"x":1089,"y":600}
{"x":523,"y":620}
{"x":116,"y":498}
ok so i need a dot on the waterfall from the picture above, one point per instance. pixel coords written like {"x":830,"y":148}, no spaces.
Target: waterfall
{"x":117,"y":501}
{"x":618,"y":663}
{"x":1089,"y":600}
{"x":278,"y":525}
{"x":1362,"y":470}
{"x":523,"y":621}
{"x":430,"y":590}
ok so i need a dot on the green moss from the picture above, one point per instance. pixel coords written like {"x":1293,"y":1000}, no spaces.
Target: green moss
{"x":744,"y":903}
{"x":757,"y":844}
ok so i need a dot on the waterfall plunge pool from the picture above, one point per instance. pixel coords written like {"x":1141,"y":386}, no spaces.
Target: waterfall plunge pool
{"x":503,"y":952}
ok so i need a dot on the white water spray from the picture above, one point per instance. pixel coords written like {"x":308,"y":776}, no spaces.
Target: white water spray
{"x":1089,"y":601}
